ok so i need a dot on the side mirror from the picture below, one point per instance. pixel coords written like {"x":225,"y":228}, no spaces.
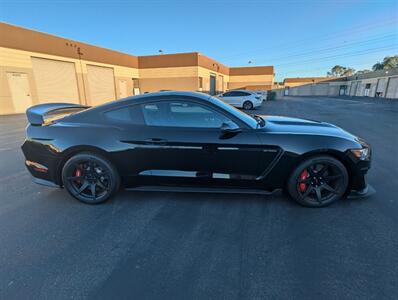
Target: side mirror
{"x":230,"y":127}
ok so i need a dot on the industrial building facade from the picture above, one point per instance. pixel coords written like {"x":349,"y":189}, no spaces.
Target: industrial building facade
{"x":38,"y":68}
{"x":378,"y":84}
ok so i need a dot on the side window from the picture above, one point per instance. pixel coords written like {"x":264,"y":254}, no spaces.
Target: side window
{"x":242,"y":94}
{"x":182,"y":114}
{"x":129,"y":114}
{"x":228,"y":94}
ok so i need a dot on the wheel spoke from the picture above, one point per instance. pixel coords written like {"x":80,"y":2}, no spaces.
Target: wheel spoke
{"x":101,"y":185}
{"x":83,"y":187}
{"x":311,"y":171}
{"x":307,"y":192}
{"x":329,"y":188}
{"x":332,"y":177}
{"x":323,"y":169}
{"x":318,"y":194}
{"x":92,"y":187}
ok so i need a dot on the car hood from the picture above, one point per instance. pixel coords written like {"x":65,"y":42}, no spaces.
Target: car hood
{"x":279,"y":124}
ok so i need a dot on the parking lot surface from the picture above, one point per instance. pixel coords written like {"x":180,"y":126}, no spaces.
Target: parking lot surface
{"x":205,"y":246}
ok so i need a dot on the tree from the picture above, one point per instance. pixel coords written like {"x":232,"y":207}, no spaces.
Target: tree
{"x":340,"y":71}
{"x":360,"y":72}
{"x":388,"y":63}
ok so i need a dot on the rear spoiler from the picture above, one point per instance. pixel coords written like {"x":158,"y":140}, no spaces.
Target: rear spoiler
{"x":37,"y":114}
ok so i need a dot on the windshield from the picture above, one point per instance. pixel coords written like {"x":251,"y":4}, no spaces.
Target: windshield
{"x":249,"y":120}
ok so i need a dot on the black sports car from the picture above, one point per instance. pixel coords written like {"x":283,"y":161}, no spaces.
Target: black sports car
{"x":189,"y":141}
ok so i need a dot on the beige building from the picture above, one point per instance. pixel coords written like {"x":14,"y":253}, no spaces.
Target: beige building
{"x":37,"y":68}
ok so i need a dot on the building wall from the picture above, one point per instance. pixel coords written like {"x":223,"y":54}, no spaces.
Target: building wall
{"x":19,"y":61}
{"x":297,"y":81}
{"x":242,"y":77}
{"x":184,"y":71}
{"x":221,"y":80}
{"x":383,"y":84}
{"x":168,"y":78}
{"x":91,"y":75}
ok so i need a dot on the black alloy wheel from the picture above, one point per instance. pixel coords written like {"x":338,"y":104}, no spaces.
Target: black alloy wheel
{"x":318,"y":181}
{"x":247,"y":105}
{"x":90,"y":178}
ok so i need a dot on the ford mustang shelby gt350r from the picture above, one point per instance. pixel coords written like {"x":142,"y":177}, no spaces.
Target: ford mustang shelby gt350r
{"x":189,"y":141}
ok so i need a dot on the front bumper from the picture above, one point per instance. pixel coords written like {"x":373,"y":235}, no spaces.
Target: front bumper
{"x":45,"y":182}
{"x":367,"y":191}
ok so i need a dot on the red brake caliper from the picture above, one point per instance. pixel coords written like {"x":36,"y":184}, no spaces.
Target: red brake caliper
{"x":303,"y":186}
{"x":78,"y":173}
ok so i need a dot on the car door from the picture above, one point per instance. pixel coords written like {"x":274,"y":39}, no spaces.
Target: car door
{"x":181,"y":142}
{"x":244,"y":96}
{"x":232,"y":98}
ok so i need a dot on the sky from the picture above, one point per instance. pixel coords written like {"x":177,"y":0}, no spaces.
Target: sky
{"x":299,"y":38}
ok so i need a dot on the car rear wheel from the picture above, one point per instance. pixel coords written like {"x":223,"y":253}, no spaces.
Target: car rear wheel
{"x":247,"y":105}
{"x":318,"y":181}
{"x":90,"y":178}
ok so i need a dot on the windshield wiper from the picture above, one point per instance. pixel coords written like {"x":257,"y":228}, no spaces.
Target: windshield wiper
{"x":260,"y":120}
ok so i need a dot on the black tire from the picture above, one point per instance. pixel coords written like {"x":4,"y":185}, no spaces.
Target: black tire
{"x":318,"y":181}
{"x":90,"y":178}
{"x":248,"y":105}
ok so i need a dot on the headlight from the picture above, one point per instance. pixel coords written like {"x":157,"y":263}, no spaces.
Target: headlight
{"x":361,"y":154}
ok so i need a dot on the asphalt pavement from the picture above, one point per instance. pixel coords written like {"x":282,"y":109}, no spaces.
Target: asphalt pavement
{"x":148,"y":245}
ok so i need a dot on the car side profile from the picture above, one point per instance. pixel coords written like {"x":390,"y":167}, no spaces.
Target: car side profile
{"x":185,"y":141}
{"x":242,"y":99}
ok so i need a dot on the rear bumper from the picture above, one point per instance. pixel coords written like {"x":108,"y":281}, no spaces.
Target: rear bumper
{"x":41,"y":163}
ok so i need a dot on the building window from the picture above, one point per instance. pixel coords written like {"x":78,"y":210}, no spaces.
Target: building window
{"x":201,"y":82}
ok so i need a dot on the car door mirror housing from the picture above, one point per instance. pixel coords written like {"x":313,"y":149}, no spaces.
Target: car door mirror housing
{"x":230,"y":127}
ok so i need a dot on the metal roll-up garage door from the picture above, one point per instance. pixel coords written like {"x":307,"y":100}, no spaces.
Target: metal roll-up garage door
{"x":392,"y":88}
{"x":101,"y":84}
{"x":381,"y":87}
{"x":353,"y":89}
{"x":55,"y":80}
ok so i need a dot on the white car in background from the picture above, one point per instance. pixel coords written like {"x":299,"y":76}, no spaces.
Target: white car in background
{"x":262,"y":94}
{"x":242,"y":99}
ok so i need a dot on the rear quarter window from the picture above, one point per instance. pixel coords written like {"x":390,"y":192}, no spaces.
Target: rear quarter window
{"x":128,"y":114}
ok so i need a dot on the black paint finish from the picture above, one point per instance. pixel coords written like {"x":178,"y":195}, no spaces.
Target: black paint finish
{"x":249,"y":156}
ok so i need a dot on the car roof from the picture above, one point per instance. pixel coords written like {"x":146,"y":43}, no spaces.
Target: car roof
{"x":130,"y":100}
{"x":245,"y":91}
{"x":201,"y":96}
{"x":175,"y":93}
{"x":143,"y":97}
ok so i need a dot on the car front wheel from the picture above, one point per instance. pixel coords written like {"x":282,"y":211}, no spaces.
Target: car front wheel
{"x":90,"y":178}
{"x":318,"y":181}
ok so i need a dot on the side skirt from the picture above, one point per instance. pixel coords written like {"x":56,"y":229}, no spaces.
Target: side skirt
{"x":201,"y":190}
